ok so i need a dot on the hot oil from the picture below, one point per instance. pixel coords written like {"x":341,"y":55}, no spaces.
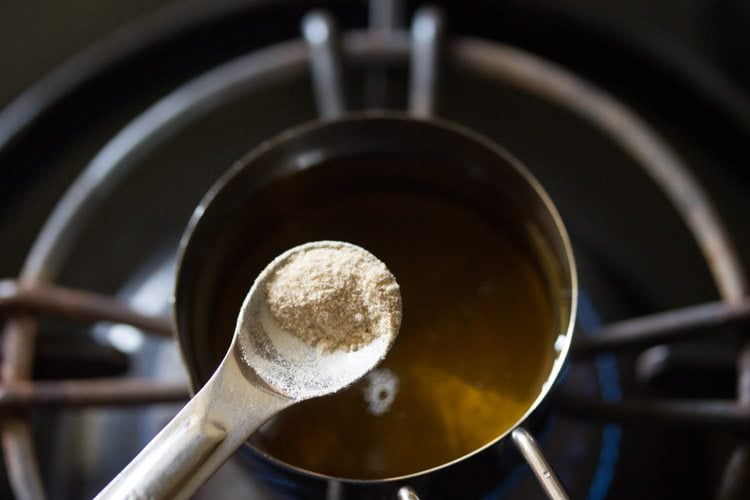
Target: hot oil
{"x":475,"y":345}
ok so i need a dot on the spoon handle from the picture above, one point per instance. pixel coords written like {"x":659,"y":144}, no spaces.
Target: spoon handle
{"x":201,"y":437}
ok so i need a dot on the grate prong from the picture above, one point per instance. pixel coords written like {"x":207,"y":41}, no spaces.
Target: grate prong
{"x":385,"y":16}
{"x":670,"y":326}
{"x":427,"y":39}
{"x":321,"y":34}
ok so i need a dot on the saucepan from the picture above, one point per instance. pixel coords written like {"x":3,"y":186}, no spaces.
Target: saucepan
{"x":489,"y":298}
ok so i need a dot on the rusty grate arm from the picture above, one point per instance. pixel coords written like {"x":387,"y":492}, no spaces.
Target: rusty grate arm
{"x":76,"y":305}
{"x":665,"y":327}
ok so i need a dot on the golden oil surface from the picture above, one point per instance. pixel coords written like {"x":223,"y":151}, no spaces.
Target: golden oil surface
{"x":475,"y":345}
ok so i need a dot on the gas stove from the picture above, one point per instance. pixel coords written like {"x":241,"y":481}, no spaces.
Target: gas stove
{"x":637,"y":133}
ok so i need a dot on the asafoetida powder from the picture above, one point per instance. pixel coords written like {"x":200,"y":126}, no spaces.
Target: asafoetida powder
{"x":335,"y":297}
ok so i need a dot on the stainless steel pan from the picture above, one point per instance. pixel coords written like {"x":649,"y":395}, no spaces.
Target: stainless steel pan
{"x":456,"y":161}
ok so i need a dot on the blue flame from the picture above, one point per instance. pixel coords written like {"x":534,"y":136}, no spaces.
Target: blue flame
{"x":609,"y":378}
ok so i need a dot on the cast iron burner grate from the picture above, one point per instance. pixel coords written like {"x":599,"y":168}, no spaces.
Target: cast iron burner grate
{"x":424,"y":49}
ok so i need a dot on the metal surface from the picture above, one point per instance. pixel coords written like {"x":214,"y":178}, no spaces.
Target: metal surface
{"x":735,"y":477}
{"x":73,"y":211}
{"x":321,"y":34}
{"x":406,"y":493}
{"x":728,"y":416}
{"x":669,"y":326}
{"x":70,"y":216}
{"x":20,"y":458}
{"x":660,"y":361}
{"x":202,"y":436}
{"x":77,"y":305}
{"x":385,"y":17}
{"x":631,"y":133}
{"x":529,"y":448}
{"x":89,"y":392}
{"x":657,"y":158}
{"x":737,"y":471}
{"x":80,"y":70}
{"x":427,"y":33}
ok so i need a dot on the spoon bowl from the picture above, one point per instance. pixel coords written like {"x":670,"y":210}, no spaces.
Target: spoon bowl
{"x":291,"y":366}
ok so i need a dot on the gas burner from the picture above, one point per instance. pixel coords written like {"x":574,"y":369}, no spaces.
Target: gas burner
{"x":650,"y":245}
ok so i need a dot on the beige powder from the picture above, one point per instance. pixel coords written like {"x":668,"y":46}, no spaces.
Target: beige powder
{"x":336,"y":297}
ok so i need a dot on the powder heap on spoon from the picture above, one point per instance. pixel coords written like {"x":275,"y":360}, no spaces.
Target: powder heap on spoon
{"x":334,"y":296}
{"x":319,"y":316}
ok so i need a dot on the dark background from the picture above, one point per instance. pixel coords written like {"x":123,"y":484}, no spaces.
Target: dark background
{"x":38,"y":34}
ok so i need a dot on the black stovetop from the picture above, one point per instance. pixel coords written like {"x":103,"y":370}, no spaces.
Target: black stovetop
{"x":679,"y":67}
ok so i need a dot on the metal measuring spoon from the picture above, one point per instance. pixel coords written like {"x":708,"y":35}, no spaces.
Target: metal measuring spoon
{"x":265,"y":370}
